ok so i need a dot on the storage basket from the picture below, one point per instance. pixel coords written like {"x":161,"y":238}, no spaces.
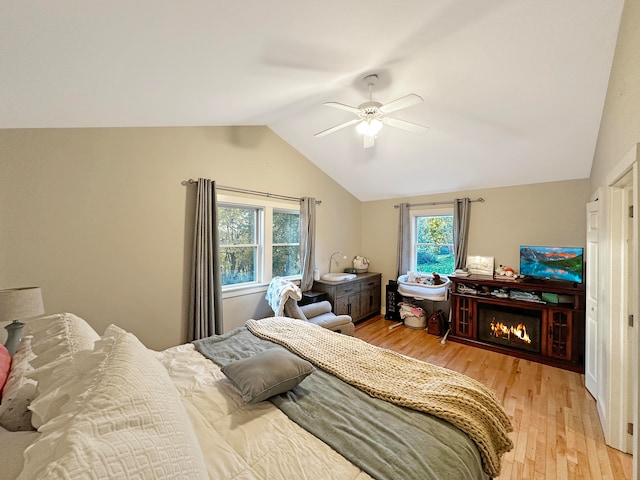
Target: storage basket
{"x":413,"y":316}
{"x":412,"y":321}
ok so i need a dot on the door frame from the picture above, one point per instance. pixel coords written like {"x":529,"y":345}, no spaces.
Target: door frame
{"x":619,"y":359}
{"x":621,"y":342}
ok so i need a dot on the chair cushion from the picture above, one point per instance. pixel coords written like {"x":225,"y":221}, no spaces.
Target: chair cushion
{"x":315,"y":309}
{"x":331,"y":321}
{"x":320,"y":314}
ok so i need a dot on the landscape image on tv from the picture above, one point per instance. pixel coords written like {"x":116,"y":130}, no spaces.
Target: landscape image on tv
{"x":552,"y":263}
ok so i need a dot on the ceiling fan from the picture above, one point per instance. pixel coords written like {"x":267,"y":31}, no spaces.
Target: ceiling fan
{"x":372,"y":116}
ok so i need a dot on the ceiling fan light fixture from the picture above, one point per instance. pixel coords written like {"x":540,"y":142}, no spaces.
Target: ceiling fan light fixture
{"x":370,"y":127}
{"x":371,"y":116}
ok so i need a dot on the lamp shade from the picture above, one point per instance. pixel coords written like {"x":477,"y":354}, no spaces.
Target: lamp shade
{"x":17,"y":303}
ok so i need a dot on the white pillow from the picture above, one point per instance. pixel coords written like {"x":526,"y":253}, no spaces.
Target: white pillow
{"x":47,"y":342}
{"x":122,"y":419}
{"x":57,"y":340}
{"x":19,"y":390}
{"x":59,"y":336}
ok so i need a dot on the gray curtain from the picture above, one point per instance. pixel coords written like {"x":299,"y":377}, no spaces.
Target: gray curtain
{"x":460,"y":229}
{"x":404,"y":241}
{"x":205,"y":306}
{"x":307,"y":241}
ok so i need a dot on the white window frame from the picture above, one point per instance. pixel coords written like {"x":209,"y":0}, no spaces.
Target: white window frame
{"x":423,"y":212}
{"x":290,"y":211}
{"x":264,"y":239}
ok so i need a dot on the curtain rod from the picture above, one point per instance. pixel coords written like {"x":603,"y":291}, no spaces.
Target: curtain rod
{"x":250,"y":192}
{"x":481,"y":200}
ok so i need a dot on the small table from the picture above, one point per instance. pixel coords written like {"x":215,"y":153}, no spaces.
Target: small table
{"x":311,"y":296}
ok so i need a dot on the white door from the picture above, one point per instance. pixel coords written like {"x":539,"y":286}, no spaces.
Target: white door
{"x":622,"y":337}
{"x":591,"y":327}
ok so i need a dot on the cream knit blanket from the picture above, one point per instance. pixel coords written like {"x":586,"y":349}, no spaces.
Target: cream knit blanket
{"x":396,"y":378}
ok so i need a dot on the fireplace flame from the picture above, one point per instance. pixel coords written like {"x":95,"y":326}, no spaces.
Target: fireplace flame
{"x":499,"y":329}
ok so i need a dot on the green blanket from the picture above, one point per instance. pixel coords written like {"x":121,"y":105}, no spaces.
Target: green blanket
{"x":385,"y":440}
{"x":446,"y":394}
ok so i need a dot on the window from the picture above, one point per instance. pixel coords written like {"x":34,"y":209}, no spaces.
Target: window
{"x":432,"y":241}
{"x":238,"y":228}
{"x":258,"y":240}
{"x":285,"y":259}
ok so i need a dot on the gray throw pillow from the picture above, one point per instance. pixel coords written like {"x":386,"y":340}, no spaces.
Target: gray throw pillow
{"x":266,"y":374}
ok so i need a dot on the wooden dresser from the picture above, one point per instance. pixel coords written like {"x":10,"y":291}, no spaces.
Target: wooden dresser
{"x":359,"y":298}
{"x":484,"y":304}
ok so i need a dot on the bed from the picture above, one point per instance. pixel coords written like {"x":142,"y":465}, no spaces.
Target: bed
{"x":270,"y":400}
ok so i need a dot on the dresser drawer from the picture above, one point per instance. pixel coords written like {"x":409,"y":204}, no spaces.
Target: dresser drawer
{"x":348,"y":288}
{"x":370,"y":283}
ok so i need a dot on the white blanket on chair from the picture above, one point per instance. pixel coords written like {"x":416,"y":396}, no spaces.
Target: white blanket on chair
{"x":279,"y":291}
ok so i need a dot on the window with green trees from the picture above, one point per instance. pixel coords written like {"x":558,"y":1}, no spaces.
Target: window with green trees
{"x":258,"y":242}
{"x":238,"y":230}
{"x":433,"y":243}
{"x":285,"y":258}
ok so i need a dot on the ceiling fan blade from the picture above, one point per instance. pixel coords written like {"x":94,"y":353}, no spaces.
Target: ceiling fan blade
{"x":336,"y":128}
{"x":403,"y":124}
{"x":402,"y":102}
{"x":342,"y":106}
{"x":368,"y":141}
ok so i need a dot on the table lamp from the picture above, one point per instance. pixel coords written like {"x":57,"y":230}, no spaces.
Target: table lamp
{"x":15,"y":304}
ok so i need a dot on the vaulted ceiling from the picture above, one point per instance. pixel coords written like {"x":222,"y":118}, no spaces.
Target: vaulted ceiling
{"x":513,"y":89}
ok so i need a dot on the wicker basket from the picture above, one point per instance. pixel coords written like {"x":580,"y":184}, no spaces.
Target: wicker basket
{"x":416,"y":322}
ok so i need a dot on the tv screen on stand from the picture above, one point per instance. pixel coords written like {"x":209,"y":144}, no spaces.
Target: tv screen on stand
{"x":552,"y":263}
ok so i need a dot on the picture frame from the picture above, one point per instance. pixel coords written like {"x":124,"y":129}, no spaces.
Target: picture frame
{"x":479,"y":265}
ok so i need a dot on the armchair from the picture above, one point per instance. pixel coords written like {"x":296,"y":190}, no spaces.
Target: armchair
{"x":320,"y":313}
{"x":283,"y":295}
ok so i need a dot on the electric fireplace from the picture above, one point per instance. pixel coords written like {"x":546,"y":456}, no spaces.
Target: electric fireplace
{"x":510,"y":327}
{"x":550,"y":331}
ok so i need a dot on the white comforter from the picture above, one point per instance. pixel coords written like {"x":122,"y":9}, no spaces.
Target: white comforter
{"x":242,"y":442}
{"x":254,"y":441}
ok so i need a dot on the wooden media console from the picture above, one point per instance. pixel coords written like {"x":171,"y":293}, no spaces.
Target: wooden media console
{"x":542,"y":321}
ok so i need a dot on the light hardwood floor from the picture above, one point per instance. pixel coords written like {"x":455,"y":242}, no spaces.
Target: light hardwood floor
{"x":557,"y":434}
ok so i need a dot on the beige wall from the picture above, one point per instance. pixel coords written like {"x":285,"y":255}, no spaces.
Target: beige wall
{"x":99,"y":219}
{"x":540,"y":214}
{"x":620,"y":125}
{"x":616,"y":151}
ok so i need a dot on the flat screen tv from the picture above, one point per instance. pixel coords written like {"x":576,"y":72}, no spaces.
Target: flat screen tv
{"x":552,"y":263}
